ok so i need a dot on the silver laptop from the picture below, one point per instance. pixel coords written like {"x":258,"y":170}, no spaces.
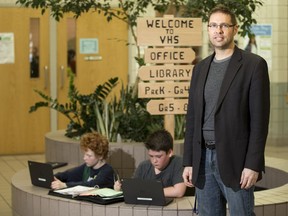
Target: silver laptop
{"x":145,"y":192}
{"x":41,"y":174}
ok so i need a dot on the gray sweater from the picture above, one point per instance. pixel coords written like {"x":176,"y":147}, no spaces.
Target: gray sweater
{"x":212,"y":88}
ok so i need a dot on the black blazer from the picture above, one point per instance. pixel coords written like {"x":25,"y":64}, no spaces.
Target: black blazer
{"x":241,"y":117}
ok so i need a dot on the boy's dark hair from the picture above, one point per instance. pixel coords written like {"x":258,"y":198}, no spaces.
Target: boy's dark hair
{"x":160,"y":140}
{"x":223,"y":9}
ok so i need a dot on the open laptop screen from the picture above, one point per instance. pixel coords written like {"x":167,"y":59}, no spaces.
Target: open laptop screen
{"x":41,"y":174}
{"x":145,"y":192}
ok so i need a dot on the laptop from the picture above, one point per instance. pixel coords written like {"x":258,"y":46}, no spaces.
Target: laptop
{"x":56,"y":165}
{"x":144,"y":192}
{"x":41,"y":174}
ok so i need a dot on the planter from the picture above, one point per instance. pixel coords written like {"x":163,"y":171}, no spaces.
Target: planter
{"x":123,"y":157}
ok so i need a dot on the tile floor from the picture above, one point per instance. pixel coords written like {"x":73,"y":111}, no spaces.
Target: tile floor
{"x":9,"y":165}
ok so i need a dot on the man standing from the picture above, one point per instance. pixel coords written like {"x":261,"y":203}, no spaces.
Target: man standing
{"x":227,"y":122}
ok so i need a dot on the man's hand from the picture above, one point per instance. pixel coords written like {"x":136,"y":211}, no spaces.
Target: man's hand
{"x":248,"y":178}
{"x":57,"y":184}
{"x":187,"y":176}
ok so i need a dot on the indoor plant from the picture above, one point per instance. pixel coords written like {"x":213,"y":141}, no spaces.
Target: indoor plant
{"x":125,"y":116}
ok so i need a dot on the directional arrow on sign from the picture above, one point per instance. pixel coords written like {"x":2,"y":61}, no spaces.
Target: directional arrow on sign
{"x":162,"y":89}
{"x":167,"y":106}
{"x":165,"y":72}
{"x":168,"y":55}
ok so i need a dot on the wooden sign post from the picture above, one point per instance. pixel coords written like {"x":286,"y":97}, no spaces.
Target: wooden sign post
{"x":168,"y":68}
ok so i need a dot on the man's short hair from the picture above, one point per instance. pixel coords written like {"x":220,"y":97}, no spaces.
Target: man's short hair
{"x":223,"y":9}
{"x":160,"y":140}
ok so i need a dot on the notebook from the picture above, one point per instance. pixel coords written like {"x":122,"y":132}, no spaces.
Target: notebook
{"x":41,"y":174}
{"x":145,"y":192}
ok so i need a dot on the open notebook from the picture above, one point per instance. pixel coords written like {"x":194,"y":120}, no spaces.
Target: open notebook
{"x":101,"y":196}
{"x":89,"y":191}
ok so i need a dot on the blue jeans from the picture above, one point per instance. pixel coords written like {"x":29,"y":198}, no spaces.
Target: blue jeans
{"x":214,"y":196}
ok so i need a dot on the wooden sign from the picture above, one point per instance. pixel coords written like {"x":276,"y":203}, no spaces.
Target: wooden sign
{"x":167,"y":106}
{"x":166,"y":55}
{"x":169,"y":31}
{"x":165,"y":72}
{"x":162,"y":89}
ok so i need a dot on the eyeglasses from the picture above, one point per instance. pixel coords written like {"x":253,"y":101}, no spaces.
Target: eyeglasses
{"x":224,"y":26}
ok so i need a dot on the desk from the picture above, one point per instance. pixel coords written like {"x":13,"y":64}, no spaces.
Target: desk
{"x":28,"y":200}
